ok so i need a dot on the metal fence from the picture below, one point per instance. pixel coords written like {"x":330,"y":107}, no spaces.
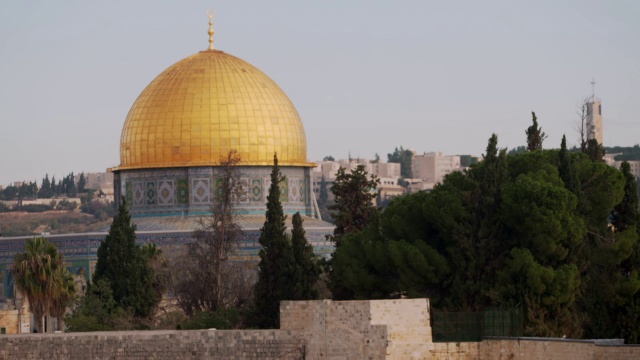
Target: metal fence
{"x":473,"y":326}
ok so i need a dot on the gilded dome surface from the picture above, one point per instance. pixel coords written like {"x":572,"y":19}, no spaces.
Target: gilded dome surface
{"x":205,"y":105}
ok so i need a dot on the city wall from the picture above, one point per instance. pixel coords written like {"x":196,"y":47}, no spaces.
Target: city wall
{"x":338,"y":330}
{"x":534,"y":348}
{"x":170,"y":344}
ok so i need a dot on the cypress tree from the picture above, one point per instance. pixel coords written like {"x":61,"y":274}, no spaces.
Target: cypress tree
{"x":274,"y":269}
{"x":82,"y":182}
{"x":625,"y":214}
{"x":122,"y":263}
{"x":45,"y":191}
{"x":595,"y":151}
{"x":306,"y":267}
{"x":566,"y":169}
{"x":535,"y":136}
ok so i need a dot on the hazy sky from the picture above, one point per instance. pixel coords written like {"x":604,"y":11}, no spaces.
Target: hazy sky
{"x":365,"y":75}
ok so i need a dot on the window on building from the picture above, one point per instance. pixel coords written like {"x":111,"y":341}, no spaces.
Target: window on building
{"x":599,"y":109}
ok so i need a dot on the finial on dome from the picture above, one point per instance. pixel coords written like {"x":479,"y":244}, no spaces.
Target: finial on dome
{"x":210,"y":14}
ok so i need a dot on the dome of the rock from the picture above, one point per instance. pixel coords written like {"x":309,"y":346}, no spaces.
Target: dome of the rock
{"x":205,"y":105}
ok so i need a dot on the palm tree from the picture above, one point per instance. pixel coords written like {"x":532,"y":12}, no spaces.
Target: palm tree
{"x":39,"y":275}
{"x":64,"y":295}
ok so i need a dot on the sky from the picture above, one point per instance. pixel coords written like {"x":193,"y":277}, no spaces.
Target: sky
{"x":366,"y":76}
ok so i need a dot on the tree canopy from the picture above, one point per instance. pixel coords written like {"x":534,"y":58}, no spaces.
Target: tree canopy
{"x":550,"y":231}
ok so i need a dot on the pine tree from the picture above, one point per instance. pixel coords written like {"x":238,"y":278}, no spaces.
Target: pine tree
{"x":353,"y":208}
{"x":352,"y":211}
{"x":122,"y":263}
{"x":276,"y":255}
{"x":306,"y":267}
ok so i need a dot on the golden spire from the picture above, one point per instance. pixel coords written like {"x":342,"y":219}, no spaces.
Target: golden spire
{"x":210,"y":14}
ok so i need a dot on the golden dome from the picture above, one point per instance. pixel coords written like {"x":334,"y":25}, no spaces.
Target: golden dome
{"x":205,"y":105}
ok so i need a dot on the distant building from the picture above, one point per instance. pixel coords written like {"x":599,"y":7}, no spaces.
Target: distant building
{"x":432,"y":167}
{"x":98,"y":181}
{"x":387,"y":172}
{"x":634,"y":165}
{"x":390,"y":188}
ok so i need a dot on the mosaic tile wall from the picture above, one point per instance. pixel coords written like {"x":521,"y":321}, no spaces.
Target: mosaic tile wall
{"x":192,"y":191}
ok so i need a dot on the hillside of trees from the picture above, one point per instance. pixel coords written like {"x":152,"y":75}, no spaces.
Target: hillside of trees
{"x":627,"y":153}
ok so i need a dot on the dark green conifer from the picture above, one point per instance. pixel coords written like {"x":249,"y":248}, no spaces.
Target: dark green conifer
{"x":122,"y":263}
{"x":82,"y":182}
{"x":306,"y":266}
{"x":274,"y":269}
{"x":535,"y":136}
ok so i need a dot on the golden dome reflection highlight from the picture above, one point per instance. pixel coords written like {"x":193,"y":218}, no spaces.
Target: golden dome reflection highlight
{"x":205,"y":105}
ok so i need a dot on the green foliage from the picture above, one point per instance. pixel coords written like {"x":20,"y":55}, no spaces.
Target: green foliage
{"x":4,"y":208}
{"x":33,"y":208}
{"x":535,"y":136}
{"x":220,"y":319}
{"x":124,"y":266}
{"x":468,"y":160}
{"x":594,"y":150}
{"x":549,"y":230}
{"x":306,"y":266}
{"x":625,"y":214}
{"x":40,"y":274}
{"x":101,"y":210}
{"x":328,"y":158}
{"x":403,"y":157}
{"x":276,"y":259}
{"x":98,"y":311}
{"x":353,"y":208}
{"x":67,"y":205}
{"x":45,"y":191}
{"x":352,"y":211}
{"x":10,"y":192}
{"x":82,"y":182}
{"x":627,"y":153}
{"x":517,"y":150}
{"x":323,"y":201}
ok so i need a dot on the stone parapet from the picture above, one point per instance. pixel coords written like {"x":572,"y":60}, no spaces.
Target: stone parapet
{"x":172,"y":344}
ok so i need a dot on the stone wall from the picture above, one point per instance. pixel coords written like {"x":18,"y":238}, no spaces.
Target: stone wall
{"x":336,"y":330}
{"x":9,"y":321}
{"x":534,"y":348}
{"x":173,"y":344}
{"x":378,"y":329}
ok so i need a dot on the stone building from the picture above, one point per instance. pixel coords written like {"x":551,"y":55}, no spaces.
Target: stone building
{"x":432,"y":167}
{"x":388,"y":173}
